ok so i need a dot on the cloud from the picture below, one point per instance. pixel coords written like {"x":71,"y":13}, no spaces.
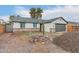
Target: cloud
{"x":4,"y":18}
{"x":19,"y":10}
{"x":70,"y":13}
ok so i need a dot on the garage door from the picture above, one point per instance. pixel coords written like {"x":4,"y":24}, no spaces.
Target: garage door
{"x":60,"y":27}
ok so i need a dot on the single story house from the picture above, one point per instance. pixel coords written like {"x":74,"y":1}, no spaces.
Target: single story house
{"x":29,"y":24}
{"x":72,"y":26}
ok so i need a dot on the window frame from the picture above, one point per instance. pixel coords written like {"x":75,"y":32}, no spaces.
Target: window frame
{"x":22,"y":25}
{"x":34,"y":25}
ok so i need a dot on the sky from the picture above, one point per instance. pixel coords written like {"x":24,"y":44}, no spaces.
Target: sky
{"x":68,"y":12}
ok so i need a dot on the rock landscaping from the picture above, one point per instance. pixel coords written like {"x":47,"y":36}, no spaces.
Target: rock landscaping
{"x":40,"y":39}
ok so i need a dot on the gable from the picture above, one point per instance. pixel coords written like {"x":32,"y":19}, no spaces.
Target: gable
{"x":60,"y":20}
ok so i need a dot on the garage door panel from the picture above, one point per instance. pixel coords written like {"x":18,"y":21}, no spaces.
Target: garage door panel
{"x":60,"y":27}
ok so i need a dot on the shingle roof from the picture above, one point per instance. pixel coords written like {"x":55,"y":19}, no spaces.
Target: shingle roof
{"x":54,"y":19}
{"x":28,"y":20}
{"x":31,"y":20}
{"x":59,"y":18}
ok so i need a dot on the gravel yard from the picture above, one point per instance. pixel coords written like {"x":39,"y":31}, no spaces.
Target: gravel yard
{"x":19,"y":43}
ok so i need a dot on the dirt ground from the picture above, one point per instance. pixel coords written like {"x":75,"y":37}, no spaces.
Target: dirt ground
{"x":18,"y":43}
{"x":68,"y":41}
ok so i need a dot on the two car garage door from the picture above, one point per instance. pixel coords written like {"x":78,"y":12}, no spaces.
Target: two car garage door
{"x":60,"y":27}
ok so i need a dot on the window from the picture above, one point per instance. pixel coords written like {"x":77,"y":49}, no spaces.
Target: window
{"x":22,"y":25}
{"x":35,"y":25}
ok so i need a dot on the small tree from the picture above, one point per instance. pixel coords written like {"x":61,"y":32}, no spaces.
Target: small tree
{"x":33,"y":12}
{"x":37,"y":13}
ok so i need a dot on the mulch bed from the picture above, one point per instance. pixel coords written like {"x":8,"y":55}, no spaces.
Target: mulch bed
{"x":68,"y":41}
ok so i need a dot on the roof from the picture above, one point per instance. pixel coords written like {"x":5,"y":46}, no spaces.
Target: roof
{"x":32,"y":20}
{"x":59,"y":18}
{"x":51,"y":20}
{"x":28,"y":20}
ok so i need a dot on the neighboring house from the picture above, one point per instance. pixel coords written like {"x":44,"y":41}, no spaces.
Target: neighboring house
{"x":29,"y":24}
{"x":2,"y":21}
{"x":72,"y":26}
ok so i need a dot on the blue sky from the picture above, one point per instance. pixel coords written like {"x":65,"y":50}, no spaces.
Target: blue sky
{"x":10,"y":9}
{"x":69,"y":12}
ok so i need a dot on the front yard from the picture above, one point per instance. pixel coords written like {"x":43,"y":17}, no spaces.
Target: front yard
{"x":19,"y":42}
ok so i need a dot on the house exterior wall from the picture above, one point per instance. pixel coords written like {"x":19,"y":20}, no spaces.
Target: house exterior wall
{"x":50,"y":27}
{"x":16,"y":25}
{"x":28,"y":27}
